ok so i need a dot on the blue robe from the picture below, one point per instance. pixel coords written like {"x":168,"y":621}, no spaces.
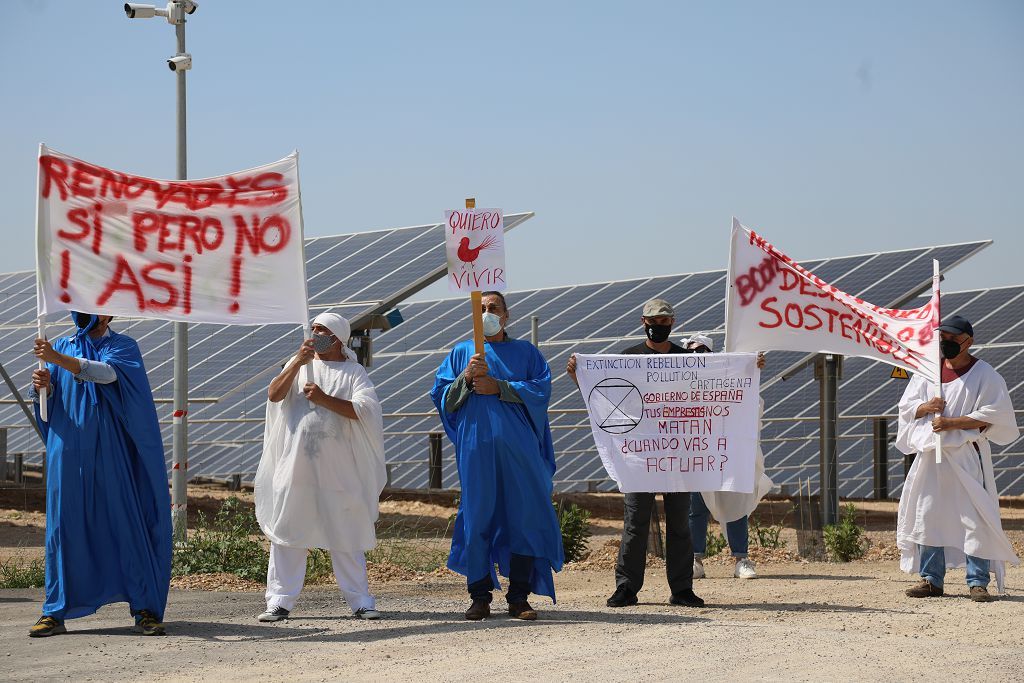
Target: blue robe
{"x":506,"y":461}
{"x":108,"y":509}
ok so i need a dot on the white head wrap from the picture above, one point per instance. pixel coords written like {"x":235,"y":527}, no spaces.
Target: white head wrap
{"x":339,"y":327}
{"x":701,"y":338}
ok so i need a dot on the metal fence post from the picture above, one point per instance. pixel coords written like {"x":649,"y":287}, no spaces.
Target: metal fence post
{"x":828,"y":372}
{"x":881,"y":459}
{"x":19,"y":463}
{"x":3,"y":454}
{"x":434,"y":464}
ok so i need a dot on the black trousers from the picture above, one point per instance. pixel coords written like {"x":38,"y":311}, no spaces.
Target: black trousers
{"x":520,"y":567}
{"x":636,"y":525}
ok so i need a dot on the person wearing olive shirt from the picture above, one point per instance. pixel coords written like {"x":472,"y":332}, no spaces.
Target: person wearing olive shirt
{"x":658,"y":317}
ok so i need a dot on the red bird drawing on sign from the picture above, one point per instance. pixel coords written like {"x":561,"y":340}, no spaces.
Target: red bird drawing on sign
{"x":468,"y":255}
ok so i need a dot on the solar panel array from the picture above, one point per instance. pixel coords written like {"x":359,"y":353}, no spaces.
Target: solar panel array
{"x":357,"y":275}
{"x":604,"y":318}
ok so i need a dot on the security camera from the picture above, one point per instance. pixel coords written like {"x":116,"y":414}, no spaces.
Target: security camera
{"x":135,"y":10}
{"x":180,"y":62}
{"x":190,"y":6}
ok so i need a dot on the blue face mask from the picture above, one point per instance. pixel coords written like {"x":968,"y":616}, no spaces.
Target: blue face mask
{"x":322,"y":343}
{"x":84,"y":321}
{"x":492,"y":324}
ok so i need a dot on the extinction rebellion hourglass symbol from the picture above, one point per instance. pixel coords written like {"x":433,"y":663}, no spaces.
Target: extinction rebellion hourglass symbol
{"x":616,"y":405}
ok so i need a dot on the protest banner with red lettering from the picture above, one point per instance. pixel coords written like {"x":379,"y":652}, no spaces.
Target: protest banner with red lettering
{"x":474,"y":241}
{"x":218,"y":250}
{"x":674,"y":422}
{"x":773,"y":303}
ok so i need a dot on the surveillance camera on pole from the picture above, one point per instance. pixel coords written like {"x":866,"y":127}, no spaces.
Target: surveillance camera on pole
{"x":180,"y":62}
{"x":136,"y":10}
{"x":174,"y":11}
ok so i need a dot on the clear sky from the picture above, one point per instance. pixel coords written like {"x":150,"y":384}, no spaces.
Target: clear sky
{"x":634,"y":130}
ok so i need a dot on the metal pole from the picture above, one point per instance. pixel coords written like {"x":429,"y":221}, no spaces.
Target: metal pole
{"x":19,"y":468}
{"x":179,"y":471}
{"x":534,"y":330}
{"x":434,"y":464}
{"x":21,"y":401}
{"x":3,"y":454}
{"x":881,"y":469}
{"x":828,"y":417}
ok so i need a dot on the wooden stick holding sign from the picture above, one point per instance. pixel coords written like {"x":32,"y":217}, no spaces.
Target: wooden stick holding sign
{"x":476,"y":301}
{"x":475,"y":249}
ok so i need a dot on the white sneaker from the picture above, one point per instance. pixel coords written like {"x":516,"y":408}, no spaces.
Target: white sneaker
{"x":744,"y":569}
{"x":365,"y":613}
{"x":698,"y":568}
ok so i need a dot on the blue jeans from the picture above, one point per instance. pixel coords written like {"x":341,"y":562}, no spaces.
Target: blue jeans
{"x":737,"y":532}
{"x":933,"y":567}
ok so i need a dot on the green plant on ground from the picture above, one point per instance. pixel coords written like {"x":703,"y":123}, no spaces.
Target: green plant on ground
{"x":417,"y":555}
{"x":224,"y":544}
{"x":766,"y":536}
{"x":417,"y":547}
{"x":318,"y":565}
{"x":16,"y":574}
{"x":845,"y":541}
{"x":575,"y":524}
{"x":716,"y":543}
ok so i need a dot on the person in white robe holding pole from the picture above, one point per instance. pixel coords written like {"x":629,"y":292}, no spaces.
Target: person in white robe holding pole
{"x":949,"y":510}
{"x":322,"y":470}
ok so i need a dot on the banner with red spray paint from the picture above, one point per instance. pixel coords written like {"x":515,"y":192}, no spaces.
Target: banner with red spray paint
{"x":474,"y":242}
{"x":218,"y":250}
{"x":774,"y":303}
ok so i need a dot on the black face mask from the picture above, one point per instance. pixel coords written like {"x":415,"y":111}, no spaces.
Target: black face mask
{"x":949,"y":349}
{"x":657,"y":333}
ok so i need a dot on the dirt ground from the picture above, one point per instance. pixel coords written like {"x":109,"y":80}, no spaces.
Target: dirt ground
{"x":800,"y":620}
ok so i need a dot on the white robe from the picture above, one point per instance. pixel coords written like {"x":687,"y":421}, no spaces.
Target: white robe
{"x":728,"y":506}
{"x":321,"y":474}
{"x":954,"y":504}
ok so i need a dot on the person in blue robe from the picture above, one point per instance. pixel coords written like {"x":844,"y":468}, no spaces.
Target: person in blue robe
{"x":494,"y":409}
{"x":108,"y":509}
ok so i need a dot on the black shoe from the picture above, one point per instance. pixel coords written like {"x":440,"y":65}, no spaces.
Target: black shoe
{"x":686,"y":598}
{"x":622,"y":597}
{"x":480,"y":609}
{"x":273,"y":614}
{"x":522,"y":610}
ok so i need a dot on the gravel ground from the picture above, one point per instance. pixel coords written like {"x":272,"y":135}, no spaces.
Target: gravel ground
{"x":799,"y":621}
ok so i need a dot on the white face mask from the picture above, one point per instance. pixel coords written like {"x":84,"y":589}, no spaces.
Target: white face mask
{"x":492,"y":324}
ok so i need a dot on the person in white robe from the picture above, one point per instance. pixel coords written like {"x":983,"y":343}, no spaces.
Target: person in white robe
{"x":731,"y":509}
{"x":322,"y":469}
{"x":949,"y":510}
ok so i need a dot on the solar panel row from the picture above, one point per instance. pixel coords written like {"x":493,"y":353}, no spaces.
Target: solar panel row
{"x":598,"y":317}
